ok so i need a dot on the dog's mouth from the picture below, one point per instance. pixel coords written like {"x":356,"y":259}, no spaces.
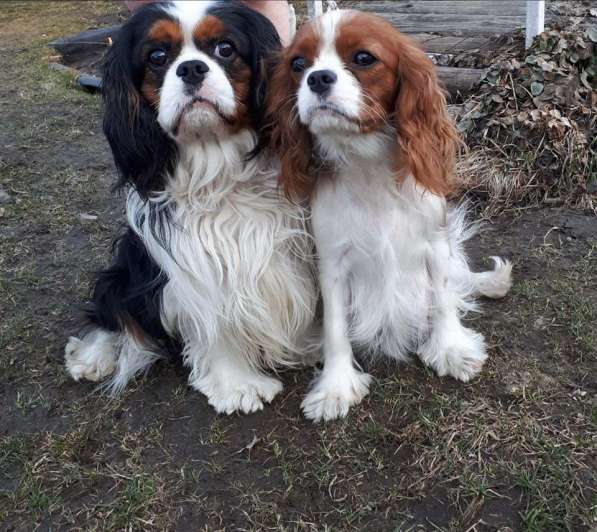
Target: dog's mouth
{"x":197,"y":102}
{"x":332,"y":109}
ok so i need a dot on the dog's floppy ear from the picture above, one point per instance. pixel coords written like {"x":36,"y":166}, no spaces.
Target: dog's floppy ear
{"x":427,"y":139}
{"x":286,"y":136}
{"x":265,"y":43}
{"x":142,"y":151}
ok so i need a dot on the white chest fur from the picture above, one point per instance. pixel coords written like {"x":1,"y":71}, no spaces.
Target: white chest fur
{"x":236,"y":253}
{"x":379,"y":235}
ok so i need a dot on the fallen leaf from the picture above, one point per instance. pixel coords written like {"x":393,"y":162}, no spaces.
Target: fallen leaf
{"x":592,"y":33}
{"x":536,"y":88}
{"x":584,"y":78}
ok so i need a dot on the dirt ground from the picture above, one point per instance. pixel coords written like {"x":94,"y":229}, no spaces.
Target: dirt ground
{"x":513,"y":450}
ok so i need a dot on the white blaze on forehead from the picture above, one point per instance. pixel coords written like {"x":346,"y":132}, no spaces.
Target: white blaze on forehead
{"x":326,"y":28}
{"x":189,"y":13}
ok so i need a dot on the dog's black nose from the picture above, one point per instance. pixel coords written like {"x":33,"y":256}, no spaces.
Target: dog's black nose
{"x":192,"y":72}
{"x":321,"y":81}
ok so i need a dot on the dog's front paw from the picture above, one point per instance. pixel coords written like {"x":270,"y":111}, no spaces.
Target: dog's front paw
{"x":334,"y":392}
{"x":91,"y":358}
{"x":460,"y":354}
{"x":232,"y":394}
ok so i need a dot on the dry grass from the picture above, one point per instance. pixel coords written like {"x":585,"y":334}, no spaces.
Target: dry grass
{"x":532,"y":122}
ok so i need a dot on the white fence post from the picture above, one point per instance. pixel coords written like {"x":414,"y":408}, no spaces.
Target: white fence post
{"x":314,"y":8}
{"x":535,"y":20}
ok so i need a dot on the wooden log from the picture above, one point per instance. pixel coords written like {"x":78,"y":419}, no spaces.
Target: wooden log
{"x":460,"y":80}
{"x":85,"y":45}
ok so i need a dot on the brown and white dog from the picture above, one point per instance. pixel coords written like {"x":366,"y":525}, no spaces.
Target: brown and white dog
{"x":215,"y":261}
{"x":360,"y":123}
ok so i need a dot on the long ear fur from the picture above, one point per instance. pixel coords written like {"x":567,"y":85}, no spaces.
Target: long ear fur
{"x":263,"y":42}
{"x":426,"y":136}
{"x":142,"y":151}
{"x":290,"y":140}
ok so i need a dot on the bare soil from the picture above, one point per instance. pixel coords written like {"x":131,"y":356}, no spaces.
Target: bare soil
{"x":513,"y":450}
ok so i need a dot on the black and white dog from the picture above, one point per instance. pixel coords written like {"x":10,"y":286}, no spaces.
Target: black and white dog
{"x":215,"y":262}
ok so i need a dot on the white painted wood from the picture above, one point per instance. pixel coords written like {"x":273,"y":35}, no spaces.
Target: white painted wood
{"x":292,"y":21}
{"x":535,"y":20}
{"x":314,"y":8}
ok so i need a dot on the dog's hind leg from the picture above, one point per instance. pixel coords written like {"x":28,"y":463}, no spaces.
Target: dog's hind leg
{"x":100,"y":353}
{"x":126,"y":330}
{"x":451,"y":348}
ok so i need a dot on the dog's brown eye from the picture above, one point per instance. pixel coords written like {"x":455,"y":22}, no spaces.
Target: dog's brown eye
{"x":158,"y":57}
{"x":298,"y":64}
{"x":224,"y":50}
{"x":364,"y":59}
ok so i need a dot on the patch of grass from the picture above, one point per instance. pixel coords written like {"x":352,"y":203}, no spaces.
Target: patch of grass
{"x":217,"y":433}
{"x":135,"y":498}
{"x":529,"y":289}
{"x":15,"y":449}
{"x":38,"y":501}
{"x":575,"y":306}
{"x":70,"y":446}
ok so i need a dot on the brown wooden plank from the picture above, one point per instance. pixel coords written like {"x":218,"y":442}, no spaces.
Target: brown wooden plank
{"x":439,"y":44}
{"x":453,"y":24}
{"x":447,"y":7}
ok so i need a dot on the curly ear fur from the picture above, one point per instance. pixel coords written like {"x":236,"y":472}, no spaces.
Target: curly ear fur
{"x":290,"y":140}
{"x":142,"y":151}
{"x":426,"y":136}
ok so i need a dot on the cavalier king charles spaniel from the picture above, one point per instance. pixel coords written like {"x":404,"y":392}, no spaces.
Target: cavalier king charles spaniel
{"x":215,"y":262}
{"x":360,"y":123}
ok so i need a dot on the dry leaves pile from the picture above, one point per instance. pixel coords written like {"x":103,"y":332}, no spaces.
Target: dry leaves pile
{"x":532,"y":124}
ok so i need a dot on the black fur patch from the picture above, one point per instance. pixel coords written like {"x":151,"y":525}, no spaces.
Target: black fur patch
{"x":142,"y":151}
{"x":130,"y":292}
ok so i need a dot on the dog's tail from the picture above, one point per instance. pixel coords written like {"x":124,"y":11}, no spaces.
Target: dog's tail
{"x":494,"y":283}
